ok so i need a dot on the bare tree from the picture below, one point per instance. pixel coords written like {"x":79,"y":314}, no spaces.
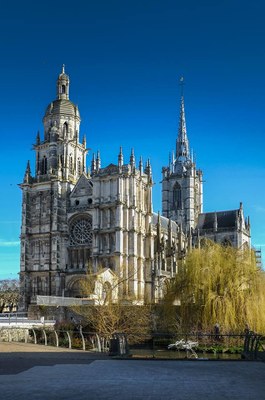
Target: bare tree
{"x":111,"y":312}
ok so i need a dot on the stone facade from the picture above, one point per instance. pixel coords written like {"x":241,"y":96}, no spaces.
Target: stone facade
{"x":76,"y":221}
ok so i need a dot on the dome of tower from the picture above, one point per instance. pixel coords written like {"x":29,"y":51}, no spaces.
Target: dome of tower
{"x":63,"y":75}
{"x":62,"y":106}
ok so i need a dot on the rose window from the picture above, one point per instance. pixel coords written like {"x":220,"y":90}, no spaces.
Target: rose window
{"x":81,"y":232}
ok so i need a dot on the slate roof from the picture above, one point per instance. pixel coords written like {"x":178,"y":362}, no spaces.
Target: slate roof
{"x":62,"y":106}
{"x":225,"y":219}
{"x":164,"y":222}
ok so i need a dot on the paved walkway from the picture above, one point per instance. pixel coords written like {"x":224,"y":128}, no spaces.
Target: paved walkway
{"x":70,"y":374}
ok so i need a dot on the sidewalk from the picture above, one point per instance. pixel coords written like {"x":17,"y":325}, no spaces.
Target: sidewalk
{"x":71,"y":374}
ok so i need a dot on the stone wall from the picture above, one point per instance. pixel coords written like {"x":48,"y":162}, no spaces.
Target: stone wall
{"x":56,"y":313}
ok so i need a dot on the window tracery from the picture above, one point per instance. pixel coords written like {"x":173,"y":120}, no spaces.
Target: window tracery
{"x":81,"y":232}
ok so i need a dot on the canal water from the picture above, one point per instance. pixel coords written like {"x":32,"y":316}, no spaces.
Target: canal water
{"x":180,"y":355}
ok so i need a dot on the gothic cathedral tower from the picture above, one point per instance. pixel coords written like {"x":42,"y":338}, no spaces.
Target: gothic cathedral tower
{"x":60,"y":161}
{"x":182,"y":182}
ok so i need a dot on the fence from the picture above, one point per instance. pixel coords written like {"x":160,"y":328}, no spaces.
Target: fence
{"x":87,"y":341}
{"x":254,"y":346}
{"x":14,"y":316}
{"x":193,"y":346}
{"x":179,"y":346}
{"x":20,"y":320}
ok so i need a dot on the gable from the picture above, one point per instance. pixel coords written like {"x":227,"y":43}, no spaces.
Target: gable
{"x":84,"y":187}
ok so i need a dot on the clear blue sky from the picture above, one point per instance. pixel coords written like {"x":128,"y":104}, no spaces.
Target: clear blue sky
{"x":124,"y":59}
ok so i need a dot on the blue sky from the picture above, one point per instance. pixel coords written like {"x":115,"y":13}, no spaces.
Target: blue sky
{"x":124,"y":59}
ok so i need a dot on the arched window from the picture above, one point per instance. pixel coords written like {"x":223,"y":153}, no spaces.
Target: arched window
{"x":44,"y":165}
{"x":177,"y":198}
{"x":112,"y":218}
{"x":63,"y":89}
{"x":71,"y":164}
{"x":112,"y":242}
{"x":79,"y":166}
{"x":65,"y":128}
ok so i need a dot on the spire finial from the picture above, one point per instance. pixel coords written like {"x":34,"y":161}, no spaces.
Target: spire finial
{"x":98,"y":161}
{"x":63,"y":67}
{"x":181,"y":84}
{"x":38,"y":138}
{"x":27,"y":175}
{"x":120,"y":158}
{"x":132,"y":158}
{"x":93,"y":164}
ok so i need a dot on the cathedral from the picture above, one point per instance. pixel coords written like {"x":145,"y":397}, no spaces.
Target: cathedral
{"x":100,"y":221}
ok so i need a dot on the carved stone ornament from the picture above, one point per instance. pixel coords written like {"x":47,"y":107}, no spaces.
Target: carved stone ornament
{"x":81,"y":232}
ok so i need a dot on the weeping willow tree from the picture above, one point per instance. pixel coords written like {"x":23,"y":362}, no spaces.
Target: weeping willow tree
{"x":217,"y":284}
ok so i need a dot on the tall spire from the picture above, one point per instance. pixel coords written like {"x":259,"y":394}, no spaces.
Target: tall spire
{"x":182,"y":144}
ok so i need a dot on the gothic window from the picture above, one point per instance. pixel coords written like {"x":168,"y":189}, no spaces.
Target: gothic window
{"x":63,"y":89}
{"x":81,"y":232}
{"x":71,"y":164}
{"x":104,"y":244}
{"x":112,"y":243}
{"x":44,"y":165}
{"x":177,"y":200}
{"x":104,"y":218}
{"x":79,"y":166}
{"x":112,"y":218}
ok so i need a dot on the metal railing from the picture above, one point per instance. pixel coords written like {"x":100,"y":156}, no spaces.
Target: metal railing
{"x":188,"y":346}
{"x":159,"y":345}
{"x":13,"y":315}
{"x":20,"y":319}
{"x":254,"y":346}
{"x":87,"y":341}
